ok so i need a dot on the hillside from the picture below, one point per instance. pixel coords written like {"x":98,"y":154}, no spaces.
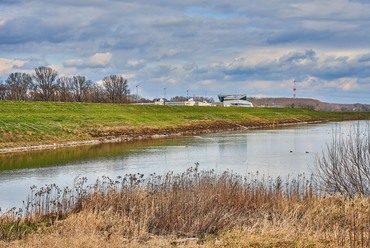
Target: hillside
{"x":308,"y":103}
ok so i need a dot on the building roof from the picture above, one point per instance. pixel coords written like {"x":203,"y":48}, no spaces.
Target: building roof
{"x":223,"y":98}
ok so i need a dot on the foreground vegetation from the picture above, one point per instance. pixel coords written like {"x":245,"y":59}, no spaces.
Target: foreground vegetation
{"x":34,"y":123}
{"x":195,"y":208}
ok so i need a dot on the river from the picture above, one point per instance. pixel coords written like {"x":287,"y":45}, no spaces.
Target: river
{"x":282,"y":151}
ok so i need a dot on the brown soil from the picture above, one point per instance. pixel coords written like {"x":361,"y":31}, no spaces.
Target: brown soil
{"x":191,"y":129}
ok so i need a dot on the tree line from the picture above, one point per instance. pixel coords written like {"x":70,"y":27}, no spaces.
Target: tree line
{"x":45,"y":85}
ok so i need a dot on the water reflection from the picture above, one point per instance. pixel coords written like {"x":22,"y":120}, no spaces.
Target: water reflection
{"x":271,"y":152}
{"x":63,"y":156}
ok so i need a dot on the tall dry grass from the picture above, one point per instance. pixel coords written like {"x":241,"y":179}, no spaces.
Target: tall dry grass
{"x":222,"y":210}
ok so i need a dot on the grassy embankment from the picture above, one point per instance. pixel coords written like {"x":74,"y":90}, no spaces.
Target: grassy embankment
{"x":35,"y":123}
{"x":192,"y":209}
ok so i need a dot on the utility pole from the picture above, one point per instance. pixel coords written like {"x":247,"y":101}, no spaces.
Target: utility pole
{"x":164,"y":94}
{"x":137,"y":93}
{"x":187,"y":94}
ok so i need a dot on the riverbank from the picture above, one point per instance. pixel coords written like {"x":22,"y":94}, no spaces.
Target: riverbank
{"x":38,"y":125}
{"x":155,"y":133}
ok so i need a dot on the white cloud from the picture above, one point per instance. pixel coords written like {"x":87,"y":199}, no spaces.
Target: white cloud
{"x":73,"y":63}
{"x":100,"y":59}
{"x":7,"y":65}
{"x":97,"y":60}
{"x":129,"y":75}
{"x":136,"y":64}
{"x":345,"y":84}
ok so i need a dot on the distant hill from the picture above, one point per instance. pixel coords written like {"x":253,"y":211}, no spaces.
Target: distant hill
{"x":307,"y":103}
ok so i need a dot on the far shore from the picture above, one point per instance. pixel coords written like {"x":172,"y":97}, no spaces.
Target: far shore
{"x":160,"y":135}
{"x":26,"y":126}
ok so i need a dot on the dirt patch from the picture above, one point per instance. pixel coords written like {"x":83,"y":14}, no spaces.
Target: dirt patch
{"x":191,"y":129}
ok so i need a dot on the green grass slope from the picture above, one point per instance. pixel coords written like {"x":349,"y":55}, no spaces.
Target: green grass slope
{"x":32,"y":123}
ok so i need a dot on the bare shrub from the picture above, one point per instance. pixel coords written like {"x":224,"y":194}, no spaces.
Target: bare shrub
{"x":344,"y":167}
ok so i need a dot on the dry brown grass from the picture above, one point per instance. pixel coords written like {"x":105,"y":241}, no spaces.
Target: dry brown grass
{"x":326,"y":222}
{"x":218,"y":210}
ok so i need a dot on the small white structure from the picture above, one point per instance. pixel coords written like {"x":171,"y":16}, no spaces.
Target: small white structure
{"x":238,"y":103}
{"x":160,"y":102}
{"x":190,"y":102}
{"x":204,"y":104}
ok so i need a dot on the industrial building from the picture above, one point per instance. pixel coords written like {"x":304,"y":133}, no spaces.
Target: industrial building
{"x":234,"y":100}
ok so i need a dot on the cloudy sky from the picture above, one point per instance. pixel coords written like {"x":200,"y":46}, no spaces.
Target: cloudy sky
{"x":202,"y":47}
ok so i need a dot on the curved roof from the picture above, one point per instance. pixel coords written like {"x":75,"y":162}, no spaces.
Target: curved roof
{"x":223,"y":98}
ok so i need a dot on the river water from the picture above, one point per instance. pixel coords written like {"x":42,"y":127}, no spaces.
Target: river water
{"x":283,"y":151}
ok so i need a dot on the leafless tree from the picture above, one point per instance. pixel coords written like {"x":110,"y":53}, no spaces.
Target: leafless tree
{"x":80,"y":86}
{"x":178,"y":99}
{"x":45,"y":82}
{"x":97,"y":94}
{"x":64,"y":88}
{"x":19,"y":84}
{"x":117,"y":88}
{"x":344,"y":167}
{"x":3,"y":91}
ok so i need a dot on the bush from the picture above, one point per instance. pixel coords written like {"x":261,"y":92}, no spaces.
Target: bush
{"x":344,"y":167}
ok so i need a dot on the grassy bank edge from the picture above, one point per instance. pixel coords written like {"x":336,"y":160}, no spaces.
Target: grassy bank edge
{"x":190,"y":130}
{"x":38,"y":125}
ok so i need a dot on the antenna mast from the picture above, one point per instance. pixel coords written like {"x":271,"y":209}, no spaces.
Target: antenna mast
{"x":294,"y":89}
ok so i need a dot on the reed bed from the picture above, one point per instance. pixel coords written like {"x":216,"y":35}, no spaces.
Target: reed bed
{"x":217,"y":209}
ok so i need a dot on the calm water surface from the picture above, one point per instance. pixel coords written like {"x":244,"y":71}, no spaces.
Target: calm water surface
{"x":288,"y":151}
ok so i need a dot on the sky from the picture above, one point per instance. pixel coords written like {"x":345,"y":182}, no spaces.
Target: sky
{"x":197,"y":47}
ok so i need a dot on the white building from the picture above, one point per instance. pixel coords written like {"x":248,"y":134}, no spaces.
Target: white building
{"x":234,"y":100}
